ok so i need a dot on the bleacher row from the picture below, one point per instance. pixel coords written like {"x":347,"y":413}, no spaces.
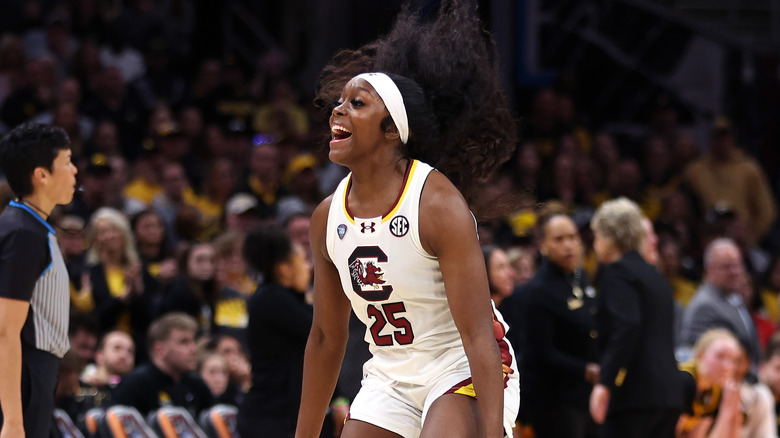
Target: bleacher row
{"x":167,"y":422}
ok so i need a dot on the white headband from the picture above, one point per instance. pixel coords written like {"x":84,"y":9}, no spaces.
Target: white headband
{"x":388,"y":91}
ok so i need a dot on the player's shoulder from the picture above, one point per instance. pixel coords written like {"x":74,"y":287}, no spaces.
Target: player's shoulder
{"x":322,"y":210}
{"x":17,"y":224}
{"x":440,"y":196}
{"x":319,"y":223}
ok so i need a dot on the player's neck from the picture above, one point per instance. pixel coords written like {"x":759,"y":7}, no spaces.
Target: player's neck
{"x":39,"y":204}
{"x":376,"y":189}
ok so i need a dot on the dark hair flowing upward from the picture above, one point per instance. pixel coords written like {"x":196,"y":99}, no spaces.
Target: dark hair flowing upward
{"x":454,"y":60}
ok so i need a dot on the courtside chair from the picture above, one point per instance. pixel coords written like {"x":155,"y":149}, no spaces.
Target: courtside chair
{"x":65,"y":425}
{"x":221,"y":421}
{"x":174,"y":422}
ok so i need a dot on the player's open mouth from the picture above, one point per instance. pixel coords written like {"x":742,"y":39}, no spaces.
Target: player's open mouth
{"x":339,"y":133}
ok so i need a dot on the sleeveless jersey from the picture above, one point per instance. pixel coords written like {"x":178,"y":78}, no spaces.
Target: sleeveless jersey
{"x":395,"y":287}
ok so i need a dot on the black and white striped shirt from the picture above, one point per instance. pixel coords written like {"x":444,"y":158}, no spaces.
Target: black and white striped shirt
{"x":32,"y":269}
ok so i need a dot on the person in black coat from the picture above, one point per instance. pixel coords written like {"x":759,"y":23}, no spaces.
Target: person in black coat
{"x":560,"y":359}
{"x":278,"y":328}
{"x":639,"y":391}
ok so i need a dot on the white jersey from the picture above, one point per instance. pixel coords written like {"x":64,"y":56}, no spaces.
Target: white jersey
{"x":395,"y":286}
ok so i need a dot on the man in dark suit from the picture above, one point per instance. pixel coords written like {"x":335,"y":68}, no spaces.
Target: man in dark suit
{"x":638,"y":394}
{"x":716,"y":303}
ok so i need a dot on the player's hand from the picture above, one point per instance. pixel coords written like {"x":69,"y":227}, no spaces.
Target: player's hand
{"x":168,"y":270}
{"x":599,"y":402}
{"x":732,"y":399}
{"x":592,"y":373}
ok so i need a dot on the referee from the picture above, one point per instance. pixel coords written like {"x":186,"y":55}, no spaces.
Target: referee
{"x":34,"y":297}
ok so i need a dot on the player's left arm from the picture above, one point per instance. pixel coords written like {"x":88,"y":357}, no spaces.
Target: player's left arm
{"x":447,"y":231}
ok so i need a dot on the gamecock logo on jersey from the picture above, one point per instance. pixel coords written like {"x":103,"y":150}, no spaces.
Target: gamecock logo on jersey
{"x":366,"y":274}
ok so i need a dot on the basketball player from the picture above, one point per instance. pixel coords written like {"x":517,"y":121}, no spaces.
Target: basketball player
{"x":397,"y":241}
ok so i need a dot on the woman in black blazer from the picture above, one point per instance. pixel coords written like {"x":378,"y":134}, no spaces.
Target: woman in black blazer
{"x":639,"y":392}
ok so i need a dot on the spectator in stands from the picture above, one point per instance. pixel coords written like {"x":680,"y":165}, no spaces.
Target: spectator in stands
{"x":684,"y":150}
{"x":96,"y":180}
{"x":769,"y":374}
{"x":213,"y":369}
{"x":264,"y":180}
{"x":758,"y":406}
{"x":669,"y":264}
{"x":115,"y":357}
{"x":235,"y":286}
{"x":68,"y":385}
{"x":11,"y":63}
{"x":83,"y":335}
{"x":70,"y":237}
{"x":241,"y":213}
{"x":765,"y":328}
{"x":115,"y":52}
{"x":605,"y":153}
{"x":726,"y":178}
{"x":194,"y":290}
{"x":169,"y":378}
{"x":153,"y":249}
{"x":559,"y":357}
{"x":108,"y":89}
{"x":297,"y":227}
{"x":590,"y":183}
{"x":661,"y":180}
{"x":104,"y":140}
{"x":69,"y":93}
{"x":649,"y":248}
{"x":117,"y":281}
{"x":526,"y":168}
{"x":192,"y":128}
{"x":30,"y":97}
{"x":176,"y":193}
{"x":717,"y":302}
{"x":220,"y":183}
{"x":300,"y":178}
{"x":501,"y":274}
{"x":638,"y":393}
{"x":239,"y":368}
{"x":678,"y":221}
{"x":523,"y":261}
{"x":769,"y":288}
{"x":712,"y":393}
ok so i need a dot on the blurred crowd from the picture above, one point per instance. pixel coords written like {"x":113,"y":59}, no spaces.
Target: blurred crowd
{"x":181,"y":155}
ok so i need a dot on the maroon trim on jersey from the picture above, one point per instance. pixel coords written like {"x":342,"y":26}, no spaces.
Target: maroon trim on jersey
{"x":500,"y":332}
{"x":458,"y":386}
{"x":395,"y":203}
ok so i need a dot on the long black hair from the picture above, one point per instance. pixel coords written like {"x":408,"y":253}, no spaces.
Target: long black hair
{"x":265,"y":247}
{"x":446,"y":68}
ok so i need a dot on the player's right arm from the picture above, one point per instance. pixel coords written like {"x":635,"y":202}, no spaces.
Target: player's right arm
{"x":21,"y":261}
{"x":329,"y":332}
{"x":12,"y":316}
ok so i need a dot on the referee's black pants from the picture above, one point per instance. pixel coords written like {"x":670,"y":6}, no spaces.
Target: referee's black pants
{"x":39,"y":381}
{"x":647,"y":423}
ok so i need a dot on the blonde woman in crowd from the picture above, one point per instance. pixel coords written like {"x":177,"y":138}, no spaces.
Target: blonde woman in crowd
{"x":117,"y":282}
{"x":712,"y":395}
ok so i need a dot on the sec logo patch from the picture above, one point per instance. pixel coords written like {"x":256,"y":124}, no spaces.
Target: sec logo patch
{"x":399,"y":226}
